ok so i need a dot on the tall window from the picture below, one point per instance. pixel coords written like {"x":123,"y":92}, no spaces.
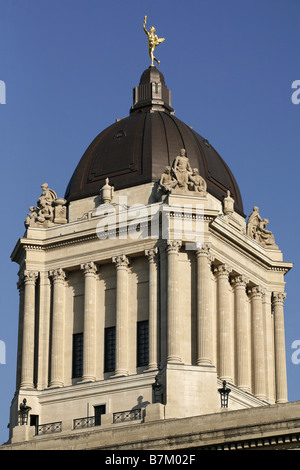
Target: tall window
{"x":77,"y":366}
{"x":110,"y":349}
{"x":142,"y":343}
{"x":99,"y":411}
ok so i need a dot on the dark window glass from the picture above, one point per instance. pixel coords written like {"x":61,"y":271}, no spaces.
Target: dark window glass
{"x":110,"y":349}
{"x":142,"y":343}
{"x":77,"y":367}
{"x":99,"y":410}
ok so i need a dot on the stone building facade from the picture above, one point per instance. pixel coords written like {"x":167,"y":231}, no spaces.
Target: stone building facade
{"x":143,"y":292}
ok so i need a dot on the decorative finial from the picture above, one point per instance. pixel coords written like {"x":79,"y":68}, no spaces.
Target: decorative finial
{"x":153,"y":41}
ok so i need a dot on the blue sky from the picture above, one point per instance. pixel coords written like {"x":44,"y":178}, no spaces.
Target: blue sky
{"x":69,"y":67}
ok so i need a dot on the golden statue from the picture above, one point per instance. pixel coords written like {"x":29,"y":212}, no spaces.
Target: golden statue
{"x":153,"y":41}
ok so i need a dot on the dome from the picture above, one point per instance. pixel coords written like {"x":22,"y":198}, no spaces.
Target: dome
{"x":135,"y":150}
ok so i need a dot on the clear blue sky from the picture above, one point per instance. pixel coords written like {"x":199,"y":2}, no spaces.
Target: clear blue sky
{"x":69,"y":67}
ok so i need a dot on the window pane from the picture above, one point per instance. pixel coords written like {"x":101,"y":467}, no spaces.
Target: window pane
{"x":77,"y":355}
{"x":142,"y":343}
{"x":110,"y":349}
{"x":99,"y":410}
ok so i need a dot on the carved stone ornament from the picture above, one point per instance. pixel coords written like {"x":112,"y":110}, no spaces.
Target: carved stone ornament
{"x":173,"y":246}
{"x":49,"y":210}
{"x":256,"y":229}
{"x":89,"y":269}
{"x":278,"y":297}
{"x":121,"y":261}
{"x":222,"y":271}
{"x":58,"y":275}
{"x":151,"y":254}
{"x":180,"y":178}
{"x":107,"y":192}
{"x":30,"y":277}
{"x":228,"y":204}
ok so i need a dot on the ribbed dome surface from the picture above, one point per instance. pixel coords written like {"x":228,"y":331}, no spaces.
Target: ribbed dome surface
{"x":136,"y":150}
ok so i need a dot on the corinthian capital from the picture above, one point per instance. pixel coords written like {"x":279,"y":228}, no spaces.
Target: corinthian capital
{"x":89,"y":268}
{"x":278,"y":297}
{"x":256,"y":292}
{"x":151,"y":254}
{"x":58,"y":275}
{"x":204,"y":250}
{"x":30,"y":277}
{"x":121,"y":261}
{"x":173,"y":246}
{"x":239,"y":281}
{"x":222,"y":270}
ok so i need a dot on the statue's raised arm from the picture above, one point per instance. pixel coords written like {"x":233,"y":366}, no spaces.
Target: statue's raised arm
{"x":144,"y":25}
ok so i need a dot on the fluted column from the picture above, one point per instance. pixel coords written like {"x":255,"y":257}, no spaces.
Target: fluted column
{"x":58,"y":314}
{"x":153,"y":305}
{"x":224,"y":323}
{"x":204,"y":315}
{"x":280,"y":358}
{"x":173,"y":347}
{"x":27,"y":371}
{"x":121,"y":263}
{"x":89,"y":322}
{"x":242,"y":328}
{"x":44,"y":330}
{"x":259,"y":367}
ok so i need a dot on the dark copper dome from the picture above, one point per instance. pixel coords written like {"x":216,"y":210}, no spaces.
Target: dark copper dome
{"x":135,"y":150}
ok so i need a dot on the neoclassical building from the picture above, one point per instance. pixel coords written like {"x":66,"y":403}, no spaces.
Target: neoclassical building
{"x":146,"y":296}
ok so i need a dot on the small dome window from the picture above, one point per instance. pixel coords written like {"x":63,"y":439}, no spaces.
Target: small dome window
{"x":119,"y":135}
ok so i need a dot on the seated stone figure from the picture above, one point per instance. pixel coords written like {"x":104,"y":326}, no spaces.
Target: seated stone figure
{"x":197,"y":183}
{"x":256,"y":229}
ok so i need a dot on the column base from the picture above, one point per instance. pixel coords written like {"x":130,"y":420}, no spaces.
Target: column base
{"x":120,"y":373}
{"x":204,"y":361}
{"x":174,"y":360}
{"x":56,"y":384}
{"x":87,"y":379}
{"x":152,"y":367}
{"x":26,"y":386}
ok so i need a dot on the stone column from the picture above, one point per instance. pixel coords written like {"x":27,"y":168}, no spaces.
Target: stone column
{"x":153,"y":305}
{"x":27,"y":371}
{"x":121,"y":263}
{"x":242,"y":328}
{"x":89,"y":322}
{"x":58,"y":314}
{"x":224,"y":324}
{"x":204,"y":314}
{"x":173,"y":335}
{"x":44,"y":330}
{"x":259,"y":368}
{"x":279,"y":340}
{"x":20,"y":332}
{"x":269,"y":346}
